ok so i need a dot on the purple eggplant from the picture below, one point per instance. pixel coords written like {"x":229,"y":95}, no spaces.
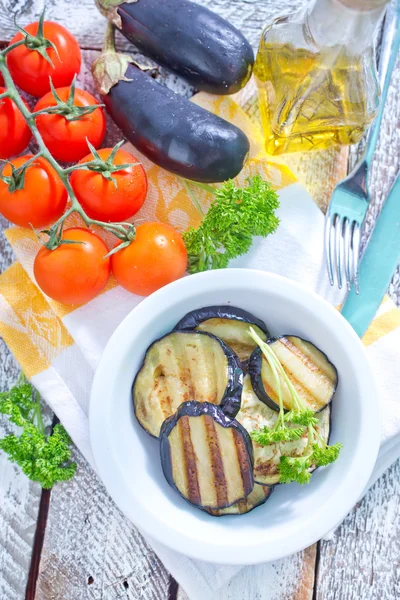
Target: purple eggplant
{"x":171,"y":131}
{"x":188,"y":39}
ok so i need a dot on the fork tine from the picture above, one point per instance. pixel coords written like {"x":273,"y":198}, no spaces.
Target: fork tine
{"x":356,"y":234}
{"x":329,"y":232}
{"x":338,"y":250}
{"x":347,"y":252}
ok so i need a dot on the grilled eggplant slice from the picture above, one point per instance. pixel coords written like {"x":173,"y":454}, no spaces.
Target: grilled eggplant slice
{"x":206,"y":456}
{"x":257,"y":497}
{"x":229,"y":323}
{"x":310,"y":371}
{"x":182,"y":366}
{"x":255,"y":414}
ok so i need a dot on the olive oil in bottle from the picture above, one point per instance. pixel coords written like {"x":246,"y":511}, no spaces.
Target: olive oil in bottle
{"x":316,"y":76}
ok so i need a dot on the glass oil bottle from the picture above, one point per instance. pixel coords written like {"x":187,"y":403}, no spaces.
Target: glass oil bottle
{"x":316,"y":75}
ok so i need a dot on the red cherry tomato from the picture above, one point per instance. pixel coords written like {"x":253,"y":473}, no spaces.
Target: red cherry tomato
{"x":40,"y":202}
{"x":67,"y":140}
{"x":14,"y":132}
{"x":73,"y":273}
{"x":31,"y":71}
{"x":156,"y":257}
{"x":102,"y":199}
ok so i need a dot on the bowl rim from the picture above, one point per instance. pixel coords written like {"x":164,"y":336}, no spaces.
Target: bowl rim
{"x":182,"y":542}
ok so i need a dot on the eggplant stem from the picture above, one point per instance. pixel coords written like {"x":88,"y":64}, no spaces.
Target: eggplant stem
{"x":109,"y":38}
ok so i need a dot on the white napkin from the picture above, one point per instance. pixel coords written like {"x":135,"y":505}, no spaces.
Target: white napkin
{"x":294,"y":251}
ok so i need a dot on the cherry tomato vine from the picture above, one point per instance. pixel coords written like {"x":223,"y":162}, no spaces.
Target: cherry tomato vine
{"x":124,"y":231}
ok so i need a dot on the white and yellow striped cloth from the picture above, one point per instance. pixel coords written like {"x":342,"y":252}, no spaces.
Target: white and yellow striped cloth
{"x":59,"y":347}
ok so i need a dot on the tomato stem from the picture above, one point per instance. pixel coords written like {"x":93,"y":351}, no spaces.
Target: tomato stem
{"x":123,"y":231}
{"x":67,"y":108}
{"x":8,"y":49}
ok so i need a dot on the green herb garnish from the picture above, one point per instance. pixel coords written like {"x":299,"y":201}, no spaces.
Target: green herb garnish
{"x":43,"y":458}
{"x":317,"y":453}
{"x":266,"y":436}
{"x":235,"y":216}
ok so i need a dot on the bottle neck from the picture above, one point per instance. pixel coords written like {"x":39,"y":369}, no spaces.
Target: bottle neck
{"x":351,"y":23}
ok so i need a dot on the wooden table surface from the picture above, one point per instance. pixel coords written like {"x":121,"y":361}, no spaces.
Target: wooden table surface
{"x":73,"y":543}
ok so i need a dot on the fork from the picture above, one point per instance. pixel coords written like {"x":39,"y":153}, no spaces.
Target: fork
{"x":351,"y":197}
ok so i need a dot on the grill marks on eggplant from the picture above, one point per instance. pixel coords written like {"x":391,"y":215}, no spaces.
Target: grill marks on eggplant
{"x":309,"y":370}
{"x":217,"y":464}
{"x":206,"y":456}
{"x":255,"y":414}
{"x":234,"y":333}
{"x":257,"y":497}
{"x":229,"y":323}
{"x":185,"y":366}
{"x":189,"y":461}
{"x":243,"y":461}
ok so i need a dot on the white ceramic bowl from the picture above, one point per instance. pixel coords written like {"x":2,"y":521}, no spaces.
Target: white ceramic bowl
{"x":295,"y":516}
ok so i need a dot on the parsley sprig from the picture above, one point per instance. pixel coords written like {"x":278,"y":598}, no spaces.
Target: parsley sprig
{"x":298,"y":422}
{"x":235,"y":216}
{"x":43,"y":458}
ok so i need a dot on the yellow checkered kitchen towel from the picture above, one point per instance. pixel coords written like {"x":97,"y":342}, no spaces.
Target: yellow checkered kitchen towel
{"x":59,"y":347}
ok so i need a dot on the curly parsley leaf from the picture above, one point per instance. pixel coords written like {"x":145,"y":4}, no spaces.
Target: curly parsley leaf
{"x":266,"y":436}
{"x":43,"y":458}
{"x":235,"y":216}
{"x":325,"y":455}
{"x":304,"y":417}
{"x":297,"y":469}
{"x":294,"y":469}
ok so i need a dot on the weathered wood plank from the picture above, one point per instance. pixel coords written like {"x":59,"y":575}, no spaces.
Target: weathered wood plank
{"x":387,"y":164}
{"x":92,"y":551}
{"x":362,"y":560}
{"x":19,"y":498}
{"x":19,"y":502}
{"x":87,"y":24}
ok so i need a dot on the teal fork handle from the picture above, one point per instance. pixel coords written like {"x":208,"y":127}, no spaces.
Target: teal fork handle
{"x":378,"y":264}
